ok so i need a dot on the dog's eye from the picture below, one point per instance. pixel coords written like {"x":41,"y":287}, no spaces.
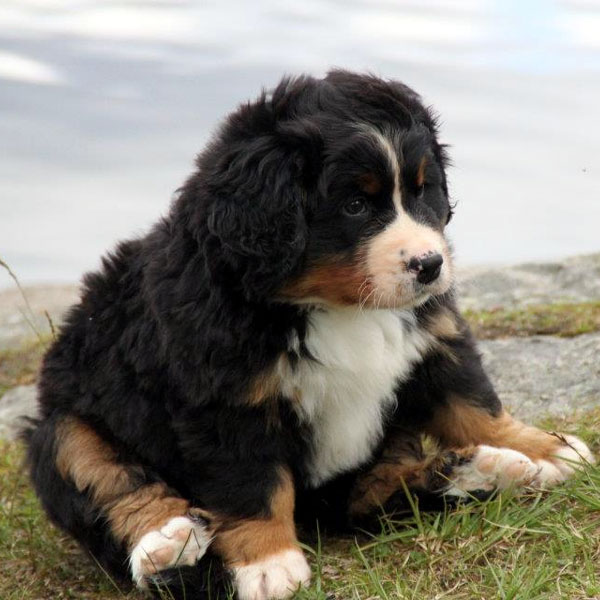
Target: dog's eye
{"x":355,"y":207}
{"x":420,"y":191}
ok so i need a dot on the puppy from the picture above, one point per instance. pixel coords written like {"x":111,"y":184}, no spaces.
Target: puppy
{"x":277,"y":349}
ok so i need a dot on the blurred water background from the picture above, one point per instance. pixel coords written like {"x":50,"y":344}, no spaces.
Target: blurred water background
{"x":103,"y":106}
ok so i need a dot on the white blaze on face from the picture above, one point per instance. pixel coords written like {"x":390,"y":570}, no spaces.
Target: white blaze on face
{"x":388,"y":253}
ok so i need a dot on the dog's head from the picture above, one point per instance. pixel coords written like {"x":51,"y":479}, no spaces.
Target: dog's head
{"x":331,"y":192}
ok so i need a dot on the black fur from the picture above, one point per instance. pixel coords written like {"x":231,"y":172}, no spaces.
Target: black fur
{"x":171,"y":332}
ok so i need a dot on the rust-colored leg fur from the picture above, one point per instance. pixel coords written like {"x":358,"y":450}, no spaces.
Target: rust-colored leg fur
{"x":406,"y":462}
{"x":131,"y":508}
{"x":158,"y":527}
{"x":461,"y":423}
{"x":263,"y":552}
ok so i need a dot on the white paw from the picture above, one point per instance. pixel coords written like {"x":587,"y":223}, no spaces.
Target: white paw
{"x":181,"y":541}
{"x":492,"y":468}
{"x":563,"y":463}
{"x":278,"y":576}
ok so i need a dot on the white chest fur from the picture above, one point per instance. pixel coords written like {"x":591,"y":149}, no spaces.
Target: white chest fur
{"x":344,"y":393}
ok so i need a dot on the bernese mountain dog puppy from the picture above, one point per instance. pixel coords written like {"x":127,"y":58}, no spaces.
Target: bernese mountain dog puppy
{"x":284,"y":346}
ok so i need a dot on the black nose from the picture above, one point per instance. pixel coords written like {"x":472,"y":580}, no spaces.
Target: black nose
{"x":428,"y":267}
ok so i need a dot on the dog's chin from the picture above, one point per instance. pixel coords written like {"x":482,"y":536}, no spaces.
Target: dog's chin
{"x":409,"y":295}
{"x":398,"y":302}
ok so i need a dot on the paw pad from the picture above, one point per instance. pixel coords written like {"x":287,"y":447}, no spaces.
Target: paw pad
{"x":491,"y":468}
{"x":181,"y":541}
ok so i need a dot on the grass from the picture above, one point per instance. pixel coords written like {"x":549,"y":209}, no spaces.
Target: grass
{"x":38,"y":562}
{"x":564,"y":320}
{"x":544,"y":545}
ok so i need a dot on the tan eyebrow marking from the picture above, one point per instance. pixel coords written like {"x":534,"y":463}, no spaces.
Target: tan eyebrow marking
{"x":369,"y":183}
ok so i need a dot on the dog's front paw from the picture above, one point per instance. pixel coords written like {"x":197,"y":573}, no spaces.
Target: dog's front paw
{"x":571,"y":455}
{"x":181,"y":541}
{"x":491,"y":468}
{"x":274,"y":578}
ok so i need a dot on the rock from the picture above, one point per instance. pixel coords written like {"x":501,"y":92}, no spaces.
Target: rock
{"x":14,"y":405}
{"x":575,"y":279}
{"x":544,"y":375}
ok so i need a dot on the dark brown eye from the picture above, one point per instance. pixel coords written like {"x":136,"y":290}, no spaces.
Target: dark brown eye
{"x":355,"y":207}
{"x":420,"y":191}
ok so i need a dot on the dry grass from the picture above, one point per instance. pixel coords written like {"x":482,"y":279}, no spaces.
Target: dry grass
{"x":564,"y":320}
{"x":19,"y":366}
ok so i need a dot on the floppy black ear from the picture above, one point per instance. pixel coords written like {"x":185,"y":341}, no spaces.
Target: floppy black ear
{"x":256,"y":222}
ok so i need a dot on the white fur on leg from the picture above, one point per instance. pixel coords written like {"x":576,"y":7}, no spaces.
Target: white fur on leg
{"x":181,"y":541}
{"x":563,"y":464}
{"x":491,"y":468}
{"x":273,"y":578}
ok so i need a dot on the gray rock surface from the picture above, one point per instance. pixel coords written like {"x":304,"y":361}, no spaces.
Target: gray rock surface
{"x":544,"y":375}
{"x":16,"y":404}
{"x":575,"y":279}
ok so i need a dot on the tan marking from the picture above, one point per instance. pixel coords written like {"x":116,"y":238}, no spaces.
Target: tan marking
{"x":443,"y":325}
{"x":242,"y":542}
{"x":86,"y":459}
{"x":375,"y":488}
{"x":461,"y":424}
{"x":396,"y":469}
{"x":369,"y":183}
{"x":389,"y":151}
{"x":338,"y":281}
{"x":266,"y":387}
{"x":144,"y":510}
{"x":421,"y":172}
{"x":131,"y":509}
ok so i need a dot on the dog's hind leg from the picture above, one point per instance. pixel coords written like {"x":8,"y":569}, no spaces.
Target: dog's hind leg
{"x":120,"y":512}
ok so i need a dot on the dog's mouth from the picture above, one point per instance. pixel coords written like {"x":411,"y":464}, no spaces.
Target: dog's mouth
{"x":405,"y":293}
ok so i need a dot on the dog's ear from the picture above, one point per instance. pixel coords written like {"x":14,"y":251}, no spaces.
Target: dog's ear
{"x":258,"y":192}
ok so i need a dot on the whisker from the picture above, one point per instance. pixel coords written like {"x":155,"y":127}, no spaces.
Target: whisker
{"x":361,"y":289}
{"x":362,"y":286}
{"x":364,"y":302}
